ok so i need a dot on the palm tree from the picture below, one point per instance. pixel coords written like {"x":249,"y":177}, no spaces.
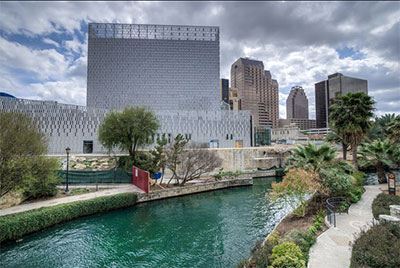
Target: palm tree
{"x":393,"y":130}
{"x":310,"y":157}
{"x":378,"y":129}
{"x":334,"y":138}
{"x":379,"y":154}
{"x":350,"y":118}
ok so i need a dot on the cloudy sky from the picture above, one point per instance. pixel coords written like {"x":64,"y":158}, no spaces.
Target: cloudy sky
{"x":43,"y":45}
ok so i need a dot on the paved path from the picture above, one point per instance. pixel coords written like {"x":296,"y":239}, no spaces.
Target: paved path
{"x":332,"y":248}
{"x":62,"y":200}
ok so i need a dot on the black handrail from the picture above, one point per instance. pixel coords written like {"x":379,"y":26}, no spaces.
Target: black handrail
{"x":335,"y":205}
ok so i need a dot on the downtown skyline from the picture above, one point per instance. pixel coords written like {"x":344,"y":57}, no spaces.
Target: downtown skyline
{"x":300,"y":43}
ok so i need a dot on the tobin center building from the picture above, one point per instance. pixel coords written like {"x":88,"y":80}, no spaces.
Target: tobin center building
{"x":173,"y":70}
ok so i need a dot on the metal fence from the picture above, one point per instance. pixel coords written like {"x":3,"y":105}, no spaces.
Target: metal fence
{"x":93,"y":177}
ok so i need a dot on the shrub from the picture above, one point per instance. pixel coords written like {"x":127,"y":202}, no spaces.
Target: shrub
{"x":288,"y":261}
{"x":19,"y":224}
{"x":260,"y":254}
{"x":243,"y":263}
{"x":294,"y":188}
{"x":304,"y":240}
{"x":287,"y":254}
{"x":381,"y":204}
{"x":41,"y":179}
{"x":359,"y":177}
{"x":312,"y":230}
{"x":377,"y":247}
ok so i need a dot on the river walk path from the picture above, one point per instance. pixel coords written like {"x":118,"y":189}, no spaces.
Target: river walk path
{"x":68,"y":199}
{"x":332,"y":248}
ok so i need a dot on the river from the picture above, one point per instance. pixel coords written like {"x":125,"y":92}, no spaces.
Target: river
{"x":212,"y":229}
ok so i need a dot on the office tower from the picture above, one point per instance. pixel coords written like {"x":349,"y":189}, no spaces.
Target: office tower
{"x":256,"y":91}
{"x":297,"y":104}
{"x":224,"y":90}
{"x":326,"y":91}
{"x":164,"y":67}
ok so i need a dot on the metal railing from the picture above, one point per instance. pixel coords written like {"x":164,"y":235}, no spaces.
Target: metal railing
{"x":336,"y":205}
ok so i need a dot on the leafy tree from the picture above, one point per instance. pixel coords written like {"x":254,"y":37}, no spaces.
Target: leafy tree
{"x":159,"y":155}
{"x":393,"y":130}
{"x":22,"y":165}
{"x":350,"y":118}
{"x":310,"y":157}
{"x":128,"y":130}
{"x":174,"y":156}
{"x":379,"y":154}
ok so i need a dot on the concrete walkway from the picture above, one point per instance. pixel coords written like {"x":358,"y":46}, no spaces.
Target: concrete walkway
{"x":63,"y":200}
{"x":333,"y":248}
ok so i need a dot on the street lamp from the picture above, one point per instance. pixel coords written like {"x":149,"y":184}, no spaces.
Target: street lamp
{"x":67,"y":150}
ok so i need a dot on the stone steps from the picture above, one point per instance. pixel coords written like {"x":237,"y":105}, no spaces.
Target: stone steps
{"x":394,"y":216}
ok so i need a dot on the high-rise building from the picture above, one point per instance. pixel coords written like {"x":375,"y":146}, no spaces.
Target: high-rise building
{"x":164,"y":67}
{"x":297,"y":104}
{"x":326,"y":91}
{"x":224,"y":90}
{"x":174,"y":70}
{"x":256,"y":91}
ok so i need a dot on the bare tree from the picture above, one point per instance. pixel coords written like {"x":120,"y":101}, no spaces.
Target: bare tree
{"x":196,"y":162}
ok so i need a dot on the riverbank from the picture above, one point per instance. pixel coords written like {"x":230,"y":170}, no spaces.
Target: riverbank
{"x":27,"y":218}
{"x":333,"y":247}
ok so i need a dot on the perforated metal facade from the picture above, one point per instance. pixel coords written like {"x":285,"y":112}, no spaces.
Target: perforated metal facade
{"x":70,"y":125}
{"x":159,"y":66}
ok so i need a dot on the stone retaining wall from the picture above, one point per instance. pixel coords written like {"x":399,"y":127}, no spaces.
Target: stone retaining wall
{"x":185,"y":190}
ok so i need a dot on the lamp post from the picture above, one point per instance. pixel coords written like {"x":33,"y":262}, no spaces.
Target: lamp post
{"x":67,"y":150}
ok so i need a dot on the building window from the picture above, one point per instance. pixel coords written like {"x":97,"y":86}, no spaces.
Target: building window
{"x":169,"y":137}
{"x":231,"y":137}
{"x":87,"y":147}
{"x":227,"y":136}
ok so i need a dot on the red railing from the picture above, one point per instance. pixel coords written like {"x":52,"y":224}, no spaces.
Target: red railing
{"x":141,"y":179}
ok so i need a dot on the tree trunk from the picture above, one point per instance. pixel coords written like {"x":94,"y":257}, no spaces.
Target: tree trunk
{"x":354,"y":151}
{"x":381,"y":173}
{"x":344,"y":148}
{"x":133,"y":153}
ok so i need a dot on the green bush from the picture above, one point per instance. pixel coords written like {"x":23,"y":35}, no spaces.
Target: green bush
{"x":359,"y":178}
{"x":312,"y":230}
{"x":144,"y":160}
{"x":41,"y":179}
{"x":381,"y":204}
{"x":377,"y":247}
{"x":288,"y":261}
{"x":19,"y":224}
{"x":260,"y":253}
{"x":287,"y":254}
{"x":304,"y":240}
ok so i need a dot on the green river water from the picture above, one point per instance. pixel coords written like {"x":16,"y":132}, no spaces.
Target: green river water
{"x":212,"y":229}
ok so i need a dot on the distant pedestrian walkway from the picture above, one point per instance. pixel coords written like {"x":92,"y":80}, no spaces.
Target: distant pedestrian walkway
{"x":63,"y":200}
{"x":332,"y":248}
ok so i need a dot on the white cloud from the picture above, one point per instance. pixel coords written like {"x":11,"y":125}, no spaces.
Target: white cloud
{"x":296,"y":41}
{"x":51,"y":42}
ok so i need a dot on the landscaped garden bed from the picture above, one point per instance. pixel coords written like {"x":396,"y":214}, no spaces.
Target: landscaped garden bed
{"x":377,"y":247}
{"x":380,"y":205}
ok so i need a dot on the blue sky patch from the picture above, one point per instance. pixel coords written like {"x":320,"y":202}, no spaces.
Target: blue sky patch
{"x":353,"y":53}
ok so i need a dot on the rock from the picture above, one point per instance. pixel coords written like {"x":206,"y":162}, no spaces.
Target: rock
{"x":388,"y":218}
{"x":395,"y":211}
